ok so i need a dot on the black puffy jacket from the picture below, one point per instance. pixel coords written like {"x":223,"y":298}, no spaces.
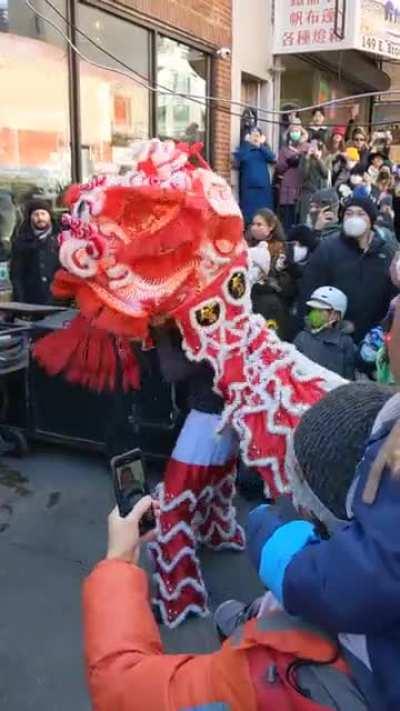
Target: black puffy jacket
{"x":362,"y":276}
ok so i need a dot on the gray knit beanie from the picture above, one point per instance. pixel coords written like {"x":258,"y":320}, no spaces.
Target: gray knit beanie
{"x":330,"y":440}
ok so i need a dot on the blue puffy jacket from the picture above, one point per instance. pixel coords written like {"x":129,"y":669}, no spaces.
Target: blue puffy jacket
{"x":349,"y":583}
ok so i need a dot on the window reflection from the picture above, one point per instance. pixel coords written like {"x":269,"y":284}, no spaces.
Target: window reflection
{"x":183,"y":70}
{"x":114,"y":108}
{"x":34,"y":110}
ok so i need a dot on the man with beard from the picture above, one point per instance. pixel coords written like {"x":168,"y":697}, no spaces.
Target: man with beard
{"x":34,"y":256}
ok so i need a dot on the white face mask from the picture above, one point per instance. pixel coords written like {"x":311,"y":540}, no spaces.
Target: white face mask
{"x":299,"y":253}
{"x":354,"y":226}
{"x":356,"y":179}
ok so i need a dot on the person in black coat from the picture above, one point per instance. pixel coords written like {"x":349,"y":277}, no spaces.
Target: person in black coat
{"x":357,"y":261}
{"x":34,"y":255}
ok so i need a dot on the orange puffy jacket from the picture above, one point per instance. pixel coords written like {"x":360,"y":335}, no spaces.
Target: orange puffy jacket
{"x":128,"y":671}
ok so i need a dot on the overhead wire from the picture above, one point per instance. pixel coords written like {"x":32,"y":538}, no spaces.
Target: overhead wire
{"x":324,"y":104}
{"x":143,"y":81}
{"x":130,"y":73}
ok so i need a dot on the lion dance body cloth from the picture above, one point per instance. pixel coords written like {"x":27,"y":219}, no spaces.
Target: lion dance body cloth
{"x":165,"y":241}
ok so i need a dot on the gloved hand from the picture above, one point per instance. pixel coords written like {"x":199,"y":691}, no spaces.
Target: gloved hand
{"x":293,"y":161}
{"x":273,"y":542}
{"x":262,"y":522}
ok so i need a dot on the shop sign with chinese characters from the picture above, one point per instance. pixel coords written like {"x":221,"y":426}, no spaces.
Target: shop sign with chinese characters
{"x":303,"y":26}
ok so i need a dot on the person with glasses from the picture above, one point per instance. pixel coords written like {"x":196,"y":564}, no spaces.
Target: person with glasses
{"x":359,"y":140}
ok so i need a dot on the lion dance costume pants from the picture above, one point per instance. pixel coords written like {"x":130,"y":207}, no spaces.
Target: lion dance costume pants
{"x":195,"y":508}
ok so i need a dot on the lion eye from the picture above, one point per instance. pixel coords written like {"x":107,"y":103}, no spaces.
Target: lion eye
{"x":82,"y":210}
{"x":208,"y":315}
{"x":237,"y":285}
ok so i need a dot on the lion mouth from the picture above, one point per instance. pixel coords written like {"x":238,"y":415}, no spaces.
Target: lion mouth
{"x":142,"y":294}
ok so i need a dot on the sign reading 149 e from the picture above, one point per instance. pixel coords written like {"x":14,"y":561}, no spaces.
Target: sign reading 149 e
{"x":380,"y":28}
{"x":380,"y":46}
{"x":312,"y":25}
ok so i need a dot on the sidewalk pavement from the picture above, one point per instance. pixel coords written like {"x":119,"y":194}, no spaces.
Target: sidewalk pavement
{"x":53,"y":512}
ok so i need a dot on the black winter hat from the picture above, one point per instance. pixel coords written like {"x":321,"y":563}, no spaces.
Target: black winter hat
{"x":326,"y":197}
{"x":331,"y":437}
{"x":37,"y":204}
{"x":366,"y":204}
{"x":304,"y":235}
{"x":357,"y":170}
{"x":376,"y":154}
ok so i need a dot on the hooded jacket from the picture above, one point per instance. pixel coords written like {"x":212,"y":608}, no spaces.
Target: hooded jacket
{"x":350,"y":583}
{"x":362,"y":276}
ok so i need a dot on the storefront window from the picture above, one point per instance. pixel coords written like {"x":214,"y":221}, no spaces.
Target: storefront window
{"x":114,"y":108}
{"x":339,"y":114}
{"x":304,"y":85}
{"x":35,"y":154}
{"x":181,"y":69}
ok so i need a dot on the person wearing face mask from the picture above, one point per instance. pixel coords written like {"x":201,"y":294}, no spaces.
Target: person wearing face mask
{"x":356,"y":261}
{"x":302,"y":241}
{"x":325,"y":340}
{"x":346,"y":177}
{"x":253,"y":159}
{"x":288,"y":173}
{"x":356,"y":177}
{"x":274,"y":286}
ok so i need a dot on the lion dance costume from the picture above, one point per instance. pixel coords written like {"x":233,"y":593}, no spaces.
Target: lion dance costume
{"x":166,"y":241}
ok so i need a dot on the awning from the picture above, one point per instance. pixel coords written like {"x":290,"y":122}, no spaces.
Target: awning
{"x":353,"y":66}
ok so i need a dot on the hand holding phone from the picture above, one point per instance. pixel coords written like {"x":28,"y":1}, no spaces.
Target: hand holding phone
{"x":124,"y":538}
{"x":130,"y":487}
{"x":324,"y":218}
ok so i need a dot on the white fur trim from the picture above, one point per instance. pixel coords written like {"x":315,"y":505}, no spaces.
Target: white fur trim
{"x":192,"y":608}
{"x":236,"y":338}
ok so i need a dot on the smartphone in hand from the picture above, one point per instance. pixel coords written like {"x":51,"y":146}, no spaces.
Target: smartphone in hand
{"x":130,"y":486}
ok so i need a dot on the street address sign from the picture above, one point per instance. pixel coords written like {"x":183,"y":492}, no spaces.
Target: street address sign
{"x":303,"y":26}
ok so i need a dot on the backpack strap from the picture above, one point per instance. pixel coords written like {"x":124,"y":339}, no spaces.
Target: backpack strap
{"x":290,"y":635}
{"x":269,"y":671}
{"x":297,"y":668}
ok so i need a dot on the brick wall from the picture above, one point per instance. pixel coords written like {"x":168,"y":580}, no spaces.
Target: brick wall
{"x":208,"y":21}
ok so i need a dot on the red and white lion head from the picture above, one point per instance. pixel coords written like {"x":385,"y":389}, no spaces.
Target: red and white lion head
{"x":140,"y":244}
